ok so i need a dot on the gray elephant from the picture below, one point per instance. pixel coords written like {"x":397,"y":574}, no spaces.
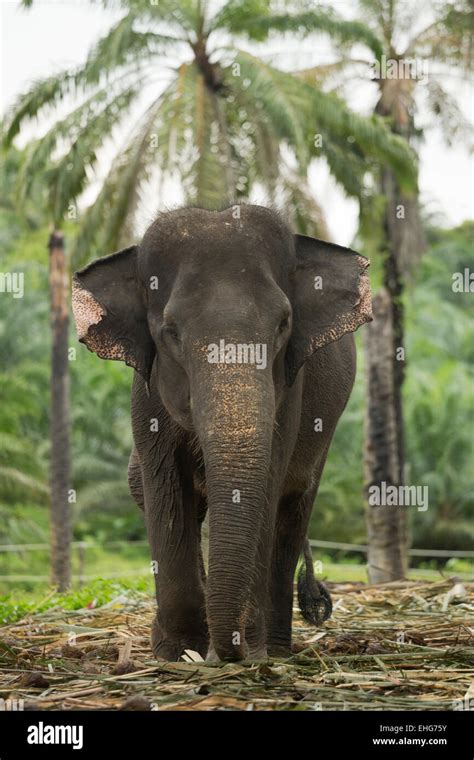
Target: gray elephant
{"x":239,"y":333}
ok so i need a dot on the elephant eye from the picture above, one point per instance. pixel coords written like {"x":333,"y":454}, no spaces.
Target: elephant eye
{"x":284,"y":324}
{"x":171,"y":331}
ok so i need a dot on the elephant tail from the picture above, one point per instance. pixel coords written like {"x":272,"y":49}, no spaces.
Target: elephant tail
{"x":313,"y":597}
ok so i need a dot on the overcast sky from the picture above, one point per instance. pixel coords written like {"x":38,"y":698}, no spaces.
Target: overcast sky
{"x":54,"y":35}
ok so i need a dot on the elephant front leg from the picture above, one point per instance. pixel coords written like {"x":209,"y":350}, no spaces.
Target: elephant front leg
{"x":290,"y":532}
{"x":256,"y":629}
{"x":173,"y":533}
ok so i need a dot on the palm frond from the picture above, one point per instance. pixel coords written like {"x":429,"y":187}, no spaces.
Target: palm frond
{"x":236,"y":18}
{"x":303,"y":211}
{"x":292,"y":105}
{"x":282,"y":99}
{"x":206,"y":182}
{"x":108,"y":220}
{"x":16,"y":484}
{"x":81,"y":134}
{"x":174,"y":124}
{"x":449,"y":39}
{"x":109,"y":496}
{"x":130,"y":172}
{"x":121,"y":46}
{"x":324,"y":73}
{"x":46,"y":92}
{"x":448,"y":114}
{"x":347,"y":168}
{"x":372,"y":135}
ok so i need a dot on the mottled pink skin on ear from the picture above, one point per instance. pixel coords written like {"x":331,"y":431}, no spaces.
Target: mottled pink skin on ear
{"x":88,"y":313}
{"x":364,"y":307}
{"x":349,"y":321}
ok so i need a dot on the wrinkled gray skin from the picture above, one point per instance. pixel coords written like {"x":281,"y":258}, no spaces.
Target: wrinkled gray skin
{"x":234,"y":439}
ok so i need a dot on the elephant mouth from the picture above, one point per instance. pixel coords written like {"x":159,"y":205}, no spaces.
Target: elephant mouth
{"x":199,"y":480}
{"x":184,"y":419}
{"x":178,"y":405}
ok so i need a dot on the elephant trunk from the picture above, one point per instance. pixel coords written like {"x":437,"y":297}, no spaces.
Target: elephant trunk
{"x":235,"y":432}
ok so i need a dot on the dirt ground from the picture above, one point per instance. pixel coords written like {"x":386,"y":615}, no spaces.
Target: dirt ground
{"x":401,"y":646}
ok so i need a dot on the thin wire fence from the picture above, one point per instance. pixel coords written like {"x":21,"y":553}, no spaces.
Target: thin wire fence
{"x":334,"y":545}
{"x":83,"y":546}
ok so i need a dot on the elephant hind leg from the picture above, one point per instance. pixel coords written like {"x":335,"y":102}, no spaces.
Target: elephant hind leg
{"x":314,"y":600}
{"x":135,"y":481}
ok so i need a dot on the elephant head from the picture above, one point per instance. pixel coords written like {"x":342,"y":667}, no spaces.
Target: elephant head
{"x":218,"y":311}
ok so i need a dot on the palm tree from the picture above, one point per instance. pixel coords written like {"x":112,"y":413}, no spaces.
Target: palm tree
{"x":410,"y":49}
{"x":218,"y":118}
{"x":443,"y":41}
{"x":61,"y":530}
{"x":14,"y":480}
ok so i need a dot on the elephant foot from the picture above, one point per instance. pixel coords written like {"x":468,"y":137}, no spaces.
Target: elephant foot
{"x":279,"y":650}
{"x":253,"y":655}
{"x":314,"y":599}
{"x":256,"y":637}
{"x":212,"y":656}
{"x":257,"y":654}
{"x":172,"y":648}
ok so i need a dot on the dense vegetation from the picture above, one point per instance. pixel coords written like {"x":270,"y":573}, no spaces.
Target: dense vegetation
{"x":439,"y":394}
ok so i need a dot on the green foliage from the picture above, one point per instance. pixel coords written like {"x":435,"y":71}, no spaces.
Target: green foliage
{"x":220,"y":131}
{"x":438,"y":401}
{"x":439,"y":397}
{"x":15,"y":606}
{"x":338,"y":514}
{"x":100,"y":451}
{"x":257,"y":21}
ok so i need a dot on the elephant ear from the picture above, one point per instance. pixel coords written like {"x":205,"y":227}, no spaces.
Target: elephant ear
{"x":108,"y":303}
{"x":331,"y":297}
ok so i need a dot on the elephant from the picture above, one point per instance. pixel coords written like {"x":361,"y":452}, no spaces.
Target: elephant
{"x":240,"y":336}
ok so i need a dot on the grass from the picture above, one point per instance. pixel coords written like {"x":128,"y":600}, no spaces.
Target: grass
{"x":18,"y":604}
{"x":130,"y":571}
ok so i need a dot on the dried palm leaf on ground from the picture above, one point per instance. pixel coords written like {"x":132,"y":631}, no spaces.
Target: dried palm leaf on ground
{"x":400,"y":646}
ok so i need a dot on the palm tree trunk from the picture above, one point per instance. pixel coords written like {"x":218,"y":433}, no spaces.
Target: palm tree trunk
{"x":60,"y":454}
{"x":385,"y":524}
{"x":401,"y":245}
{"x":385,"y":360}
